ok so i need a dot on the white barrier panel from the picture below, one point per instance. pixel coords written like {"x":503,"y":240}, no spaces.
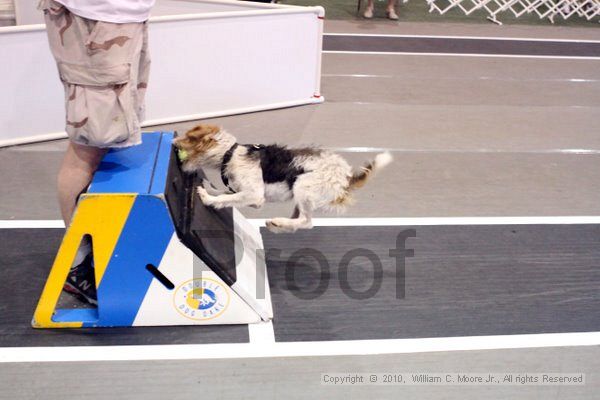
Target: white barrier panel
{"x":247,"y":57}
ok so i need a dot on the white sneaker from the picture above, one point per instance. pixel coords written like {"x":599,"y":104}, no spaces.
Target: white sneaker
{"x":391,"y":14}
{"x":368,"y":13}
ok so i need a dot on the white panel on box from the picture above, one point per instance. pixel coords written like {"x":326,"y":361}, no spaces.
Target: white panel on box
{"x":200,"y":297}
{"x":251,"y":269}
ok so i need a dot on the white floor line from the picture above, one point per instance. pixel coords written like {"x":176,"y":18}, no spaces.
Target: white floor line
{"x":20,"y":224}
{"x":260,"y":222}
{"x":475,"y":106}
{"x":294,"y":349}
{"x":261,"y":333}
{"x":464,"y":37}
{"x":383,"y":221}
{"x":477,"y":78}
{"x":464,"y":151}
{"x":460,"y":55}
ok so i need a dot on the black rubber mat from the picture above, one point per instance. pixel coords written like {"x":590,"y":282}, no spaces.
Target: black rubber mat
{"x":395,"y":44}
{"x":462,"y":281}
{"x":26,"y":256}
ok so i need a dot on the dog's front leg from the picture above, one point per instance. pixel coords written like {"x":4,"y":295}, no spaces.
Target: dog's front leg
{"x":240,"y":199}
{"x":211,"y":189}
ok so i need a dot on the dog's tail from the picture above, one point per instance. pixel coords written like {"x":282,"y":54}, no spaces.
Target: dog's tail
{"x":359,"y":178}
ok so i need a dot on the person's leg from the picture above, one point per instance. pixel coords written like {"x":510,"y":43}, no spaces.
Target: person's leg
{"x":75,"y":174}
{"x":390,"y":11}
{"x":369,"y":10}
{"x":94,"y":119}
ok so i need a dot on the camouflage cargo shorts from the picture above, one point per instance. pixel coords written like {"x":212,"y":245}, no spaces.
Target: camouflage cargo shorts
{"x":104,"y":68}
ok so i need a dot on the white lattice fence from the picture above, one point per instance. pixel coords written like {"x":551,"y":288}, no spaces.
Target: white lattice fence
{"x":549,"y":9}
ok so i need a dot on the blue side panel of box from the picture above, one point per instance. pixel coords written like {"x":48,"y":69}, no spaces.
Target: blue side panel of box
{"x":143,"y":240}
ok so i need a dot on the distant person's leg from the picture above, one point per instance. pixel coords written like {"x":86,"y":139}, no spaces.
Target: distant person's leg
{"x":390,"y":10}
{"x":369,"y":10}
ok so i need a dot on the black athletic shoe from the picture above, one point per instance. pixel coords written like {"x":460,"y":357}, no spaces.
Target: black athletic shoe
{"x":81,"y":282}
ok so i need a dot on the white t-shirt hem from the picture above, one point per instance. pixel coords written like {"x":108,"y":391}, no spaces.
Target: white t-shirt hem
{"x":131,"y":16}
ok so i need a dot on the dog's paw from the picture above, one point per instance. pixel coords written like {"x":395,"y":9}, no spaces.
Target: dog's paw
{"x":204,"y":196}
{"x":272,"y":226}
{"x":276,"y":226}
{"x":217,"y":205}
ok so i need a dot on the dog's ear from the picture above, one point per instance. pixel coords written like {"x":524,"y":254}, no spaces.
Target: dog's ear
{"x":212,"y":130}
{"x":204,"y":143}
{"x":203,"y":130}
{"x":195,"y":132}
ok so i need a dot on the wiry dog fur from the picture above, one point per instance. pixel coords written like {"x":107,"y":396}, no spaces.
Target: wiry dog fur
{"x":314,"y":179}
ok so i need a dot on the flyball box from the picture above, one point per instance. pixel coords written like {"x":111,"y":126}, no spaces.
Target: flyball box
{"x":160,"y":256}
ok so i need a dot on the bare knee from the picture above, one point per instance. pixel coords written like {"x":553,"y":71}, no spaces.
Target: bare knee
{"x":84,"y":157}
{"x":80,"y":160}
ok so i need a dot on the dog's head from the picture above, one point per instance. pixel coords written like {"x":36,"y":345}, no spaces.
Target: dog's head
{"x":203,"y":145}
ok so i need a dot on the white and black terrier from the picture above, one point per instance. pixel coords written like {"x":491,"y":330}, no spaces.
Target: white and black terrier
{"x":314,"y":179}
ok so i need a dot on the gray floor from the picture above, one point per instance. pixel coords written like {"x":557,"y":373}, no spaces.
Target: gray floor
{"x":300,"y":378}
{"x":497,"y":46}
{"x":463,"y":131}
{"x":380,"y":27}
{"x":471,"y":137}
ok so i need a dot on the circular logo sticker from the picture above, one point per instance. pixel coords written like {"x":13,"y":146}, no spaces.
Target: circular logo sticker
{"x":201,"y":299}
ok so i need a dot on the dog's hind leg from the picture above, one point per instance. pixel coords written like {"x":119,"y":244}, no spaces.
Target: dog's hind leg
{"x":296,"y":213}
{"x":301,"y":219}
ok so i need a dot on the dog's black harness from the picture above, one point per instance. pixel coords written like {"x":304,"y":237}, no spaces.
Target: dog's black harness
{"x":227,"y":158}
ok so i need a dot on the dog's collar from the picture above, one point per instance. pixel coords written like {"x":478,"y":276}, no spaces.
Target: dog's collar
{"x":226,"y":159}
